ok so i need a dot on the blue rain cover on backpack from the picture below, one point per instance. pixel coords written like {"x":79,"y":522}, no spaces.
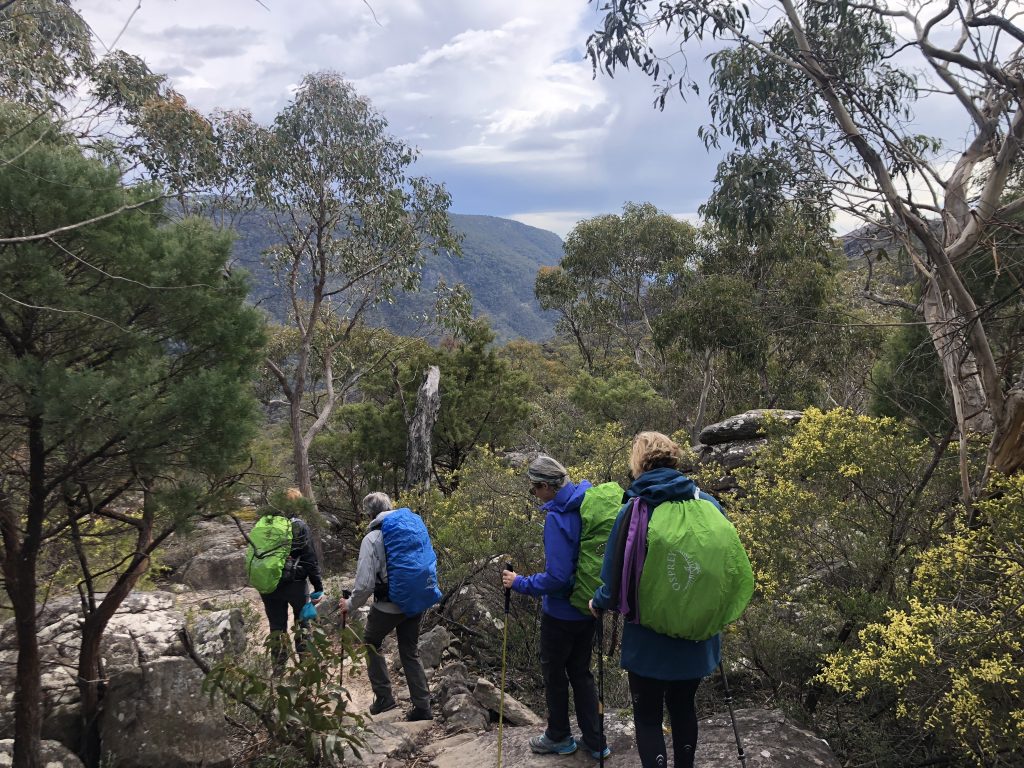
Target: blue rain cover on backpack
{"x":412,"y":565}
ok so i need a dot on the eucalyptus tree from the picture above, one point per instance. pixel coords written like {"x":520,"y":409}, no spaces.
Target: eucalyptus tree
{"x":113,"y":104}
{"x":817,"y":100}
{"x":353,"y":226}
{"x":126,"y":363}
{"x":601,"y":287}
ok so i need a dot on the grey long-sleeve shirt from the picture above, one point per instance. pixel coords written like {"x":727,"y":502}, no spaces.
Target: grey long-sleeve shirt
{"x":372,"y":568}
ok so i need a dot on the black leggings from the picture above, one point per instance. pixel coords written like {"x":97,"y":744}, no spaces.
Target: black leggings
{"x":649,"y":697}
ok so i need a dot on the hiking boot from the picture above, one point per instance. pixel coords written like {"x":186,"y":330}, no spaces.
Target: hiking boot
{"x":542,"y":745}
{"x":597,"y":754}
{"x":379,"y":706}
{"x":416,"y":714}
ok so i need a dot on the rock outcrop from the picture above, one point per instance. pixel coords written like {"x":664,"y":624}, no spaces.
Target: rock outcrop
{"x":769,"y":741}
{"x":153,"y":687}
{"x":54,"y":754}
{"x":733,"y":442}
{"x":211,"y":557}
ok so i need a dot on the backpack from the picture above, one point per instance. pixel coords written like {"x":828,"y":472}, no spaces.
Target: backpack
{"x":411,"y":562}
{"x":600,"y":508}
{"x":696,"y":576}
{"x":268,"y":553}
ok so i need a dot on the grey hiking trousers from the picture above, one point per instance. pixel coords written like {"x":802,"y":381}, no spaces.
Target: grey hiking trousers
{"x":407,"y":629}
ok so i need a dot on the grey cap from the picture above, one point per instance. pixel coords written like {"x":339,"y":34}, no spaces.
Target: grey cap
{"x":544,"y":469}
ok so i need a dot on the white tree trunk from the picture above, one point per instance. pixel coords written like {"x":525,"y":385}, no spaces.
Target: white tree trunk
{"x":418,"y":459}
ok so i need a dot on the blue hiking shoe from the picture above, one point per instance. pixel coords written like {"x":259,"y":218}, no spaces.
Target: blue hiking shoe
{"x":597,"y":754}
{"x":542,"y":745}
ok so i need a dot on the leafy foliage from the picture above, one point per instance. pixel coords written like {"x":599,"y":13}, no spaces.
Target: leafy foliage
{"x":304,"y":710}
{"x":952,"y":658}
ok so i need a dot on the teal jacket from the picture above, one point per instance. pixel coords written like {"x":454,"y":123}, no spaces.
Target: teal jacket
{"x":644,"y":651}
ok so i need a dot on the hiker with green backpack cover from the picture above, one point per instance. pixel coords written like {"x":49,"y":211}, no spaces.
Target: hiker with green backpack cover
{"x":676,"y":570}
{"x":279,"y":559}
{"x":567,"y":629}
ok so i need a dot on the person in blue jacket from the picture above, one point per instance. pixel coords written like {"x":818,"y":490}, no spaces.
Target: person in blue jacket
{"x":662,"y":669}
{"x":566,"y":634}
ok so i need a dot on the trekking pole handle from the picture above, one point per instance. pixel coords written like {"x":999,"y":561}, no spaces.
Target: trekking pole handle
{"x":508,"y":590}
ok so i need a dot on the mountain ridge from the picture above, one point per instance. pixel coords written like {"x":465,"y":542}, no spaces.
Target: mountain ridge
{"x":500,"y":259}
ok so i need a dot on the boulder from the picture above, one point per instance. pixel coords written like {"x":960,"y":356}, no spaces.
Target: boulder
{"x":516,"y":713}
{"x":769,"y":741}
{"x":462,"y":713}
{"x":449,"y":681}
{"x":144,"y":630}
{"x":745,"y":426}
{"x":148,"y":711}
{"x":210,"y":557}
{"x":54,"y":754}
{"x":383,"y":741}
{"x":433,"y":644}
{"x":220,"y":567}
{"x":729,"y":455}
{"x":220,"y":633}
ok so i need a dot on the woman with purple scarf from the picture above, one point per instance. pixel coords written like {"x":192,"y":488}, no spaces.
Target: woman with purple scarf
{"x":662,"y":670}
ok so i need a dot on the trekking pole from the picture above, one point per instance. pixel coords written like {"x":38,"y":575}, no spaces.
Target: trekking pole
{"x":735,"y":729}
{"x":600,"y":681}
{"x":341,"y":671}
{"x":504,"y":646}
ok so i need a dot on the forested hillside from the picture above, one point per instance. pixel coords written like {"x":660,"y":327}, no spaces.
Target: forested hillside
{"x":856,"y":406}
{"x":499,"y":261}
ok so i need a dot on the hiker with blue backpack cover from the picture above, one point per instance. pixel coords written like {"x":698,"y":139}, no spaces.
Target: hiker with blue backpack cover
{"x":566,"y":632}
{"x":397,"y":566}
{"x":675,"y":569}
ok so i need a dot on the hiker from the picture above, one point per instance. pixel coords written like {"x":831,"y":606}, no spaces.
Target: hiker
{"x":402,"y":590}
{"x":566,"y":633}
{"x":662,"y":669}
{"x":295,"y":568}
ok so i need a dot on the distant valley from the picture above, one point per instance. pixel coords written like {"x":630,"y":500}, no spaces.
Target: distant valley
{"x":499,"y":263}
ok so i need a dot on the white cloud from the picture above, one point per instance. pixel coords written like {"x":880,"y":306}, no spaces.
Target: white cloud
{"x":559,"y":222}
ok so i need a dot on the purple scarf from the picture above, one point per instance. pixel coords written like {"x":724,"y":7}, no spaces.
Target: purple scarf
{"x":633,"y":561}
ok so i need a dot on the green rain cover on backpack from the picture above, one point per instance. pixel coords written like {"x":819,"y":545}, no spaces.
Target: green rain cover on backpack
{"x":600,"y":507}
{"x":696,"y":577}
{"x":270,"y":543}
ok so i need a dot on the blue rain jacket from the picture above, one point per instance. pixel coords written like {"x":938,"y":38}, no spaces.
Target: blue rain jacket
{"x":561,"y":543}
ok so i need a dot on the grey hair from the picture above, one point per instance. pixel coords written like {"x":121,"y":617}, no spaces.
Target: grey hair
{"x":375,"y":503}
{"x":545,"y":469}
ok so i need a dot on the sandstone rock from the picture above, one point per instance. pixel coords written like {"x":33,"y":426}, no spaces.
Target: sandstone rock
{"x":145,"y":627}
{"x":769,"y":741}
{"x":516,"y":713}
{"x":149,"y":710}
{"x":745,"y":426}
{"x":433,"y":644}
{"x":729,"y":455}
{"x":210,"y":557}
{"x":383,"y":741}
{"x":449,"y":681}
{"x":462,"y":713}
{"x":54,"y":754}
{"x":220,"y":633}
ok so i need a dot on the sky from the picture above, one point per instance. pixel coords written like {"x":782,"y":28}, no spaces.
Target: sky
{"x":498,"y":96}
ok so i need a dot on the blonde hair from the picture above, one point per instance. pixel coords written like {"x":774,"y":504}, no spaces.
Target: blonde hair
{"x":652,"y":450}
{"x":293,"y":493}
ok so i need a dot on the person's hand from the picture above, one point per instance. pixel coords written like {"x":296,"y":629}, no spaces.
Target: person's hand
{"x":316,"y":597}
{"x":507,"y":577}
{"x":343,"y":606}
{"x":593,"y":610}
